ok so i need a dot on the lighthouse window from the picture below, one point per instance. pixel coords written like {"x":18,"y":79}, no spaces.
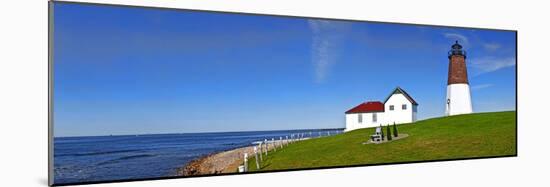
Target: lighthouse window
{"x":374,"y":117}
{"x":404,"y":107}
{"x":391,"y":107}
{"x":360,"y":118}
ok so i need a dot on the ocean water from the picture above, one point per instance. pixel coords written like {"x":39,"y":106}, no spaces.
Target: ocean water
{"x":103,"y":158}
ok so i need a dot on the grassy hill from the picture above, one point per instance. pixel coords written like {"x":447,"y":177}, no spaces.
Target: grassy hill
{"x":462,"y":136}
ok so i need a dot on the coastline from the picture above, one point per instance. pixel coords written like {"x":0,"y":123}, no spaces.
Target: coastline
{"x":211,"y":153}
{"x":223,"y":162}
{"x":216,"y":163}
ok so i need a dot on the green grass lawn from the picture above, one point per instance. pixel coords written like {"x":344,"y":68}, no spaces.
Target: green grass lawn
{"x":462,"y":136}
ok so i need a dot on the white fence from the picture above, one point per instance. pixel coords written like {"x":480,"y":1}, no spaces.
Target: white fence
{"x":266,"y":146}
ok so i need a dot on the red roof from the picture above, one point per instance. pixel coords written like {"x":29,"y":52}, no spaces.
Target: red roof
{"x":371,"y":106}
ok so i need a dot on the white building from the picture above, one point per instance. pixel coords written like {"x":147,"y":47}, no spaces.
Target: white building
{"x":399,"y":107}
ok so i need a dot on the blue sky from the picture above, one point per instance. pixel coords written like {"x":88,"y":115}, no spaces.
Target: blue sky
{"x":120,"y":70}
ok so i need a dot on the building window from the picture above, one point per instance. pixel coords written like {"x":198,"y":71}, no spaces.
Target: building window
{"x":391,"y":107}
{"x":374,"y":117}
{"x":360,"y":118}
{"x":404,"y":107}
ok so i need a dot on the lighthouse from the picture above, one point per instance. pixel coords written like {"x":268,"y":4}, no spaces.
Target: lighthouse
{"x":458,"y":90}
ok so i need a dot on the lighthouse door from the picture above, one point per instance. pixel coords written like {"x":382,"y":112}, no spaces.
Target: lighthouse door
{"x":448,"y":105}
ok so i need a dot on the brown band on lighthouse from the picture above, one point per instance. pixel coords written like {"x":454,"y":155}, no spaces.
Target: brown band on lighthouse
{"x":457,"y":70}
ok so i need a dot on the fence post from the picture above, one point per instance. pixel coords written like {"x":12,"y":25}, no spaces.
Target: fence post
{"x":266,"y":148}
{"x":273,"y":144}
{"x":256,"y":158}
{"x":245,"y":162}
{"x":261,"y":157}
{"x":280,"y":141}
{"x":286,"y":141}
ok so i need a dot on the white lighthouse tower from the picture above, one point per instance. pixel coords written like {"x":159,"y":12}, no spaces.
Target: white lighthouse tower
{"x":458,"y":90}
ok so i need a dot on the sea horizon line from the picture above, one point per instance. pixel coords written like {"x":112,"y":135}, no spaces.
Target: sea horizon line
{"x":207,"y":132}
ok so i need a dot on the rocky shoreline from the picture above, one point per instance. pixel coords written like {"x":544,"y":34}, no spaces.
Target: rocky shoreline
{"x":222,"y":162}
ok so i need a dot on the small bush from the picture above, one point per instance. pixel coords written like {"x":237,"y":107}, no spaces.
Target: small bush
{"x":395,"y":134}
{"x":382,"y":132}
{"x":388,"y":132}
